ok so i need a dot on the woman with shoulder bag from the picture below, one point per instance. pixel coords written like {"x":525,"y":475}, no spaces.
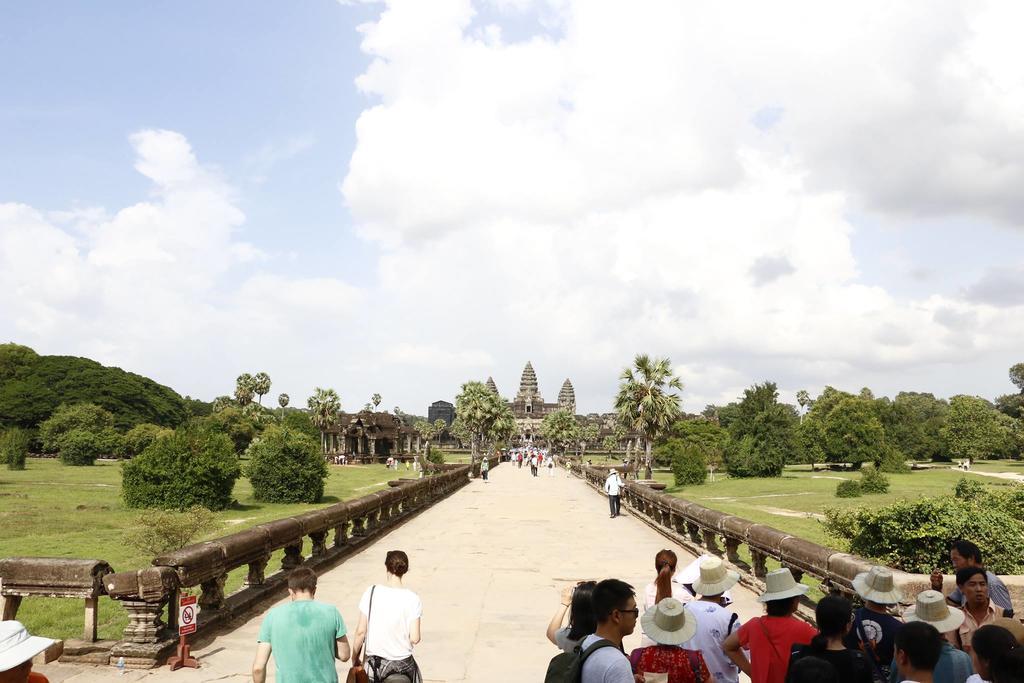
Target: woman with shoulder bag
{"x":389,"y":626}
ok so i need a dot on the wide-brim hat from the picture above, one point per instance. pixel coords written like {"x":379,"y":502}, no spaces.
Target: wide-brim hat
{"x":17,"y":646}
{"x":780,"y":584}
{"x":715,"y":578}
{"x":1012,"y":625}
{"x":930,"y":607}
{"x":669,"y":623}
{"x":877,"y":585}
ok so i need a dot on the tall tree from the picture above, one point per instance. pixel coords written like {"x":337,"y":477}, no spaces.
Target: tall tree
{"x":560,"y":428}
{"x":589,"y":435}
{"x":803,"y":399}
{"x":439,"y":427}
{"x":323,"y":406}
{"x":261,"y":385}
{"x":483,"y":414}
{"x":245,"y":388}
{"x":975,"y":430}
{"x":762,"y":433}
{"x":645,"y":402}
{"x":375,"y":400}
{"x":427,"y":432}
{"x":1017,"y":376}
{"x":283,"y":400}
{"x":853,"y":433}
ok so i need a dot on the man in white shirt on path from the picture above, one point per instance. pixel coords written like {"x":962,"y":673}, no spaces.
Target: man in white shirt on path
{"x":613,"y":487}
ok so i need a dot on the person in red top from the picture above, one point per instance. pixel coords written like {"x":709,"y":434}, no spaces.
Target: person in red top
{"x":771,"y":638}
{"x":669,"y":624}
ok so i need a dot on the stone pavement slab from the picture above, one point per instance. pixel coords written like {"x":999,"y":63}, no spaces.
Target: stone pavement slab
{"x":488,"y":563}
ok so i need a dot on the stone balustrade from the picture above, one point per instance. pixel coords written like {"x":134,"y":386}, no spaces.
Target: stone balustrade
{"x":148,"y":594}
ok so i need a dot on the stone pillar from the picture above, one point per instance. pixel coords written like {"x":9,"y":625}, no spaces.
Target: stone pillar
{"x":759,"y":560}
{"x":9,"y":605}
{"x":694,"y":531}
{"x":373,"y":446}
{"x":257,"y":572}
{"x":319,"y":539}
{"x":144,"y":621}
{"x":212,"y":596}
{"x":711,"y":543}
{"x":91,"y":620}
{"x":292,"y":557}
{"x":359,"y":526}
{"x":732,"y":546}
{"x":341,"y":535}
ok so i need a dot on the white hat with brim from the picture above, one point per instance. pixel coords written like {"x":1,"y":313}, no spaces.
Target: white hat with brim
{"x":931,"y":608}
{"x":669,"y":623}
{"x":780,"y":584}
{"x":715,"y":578}
{"x":877,"y":585}
{"x":17,"y":646}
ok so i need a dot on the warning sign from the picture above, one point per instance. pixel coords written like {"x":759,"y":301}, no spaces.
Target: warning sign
{"x":187,"y":615}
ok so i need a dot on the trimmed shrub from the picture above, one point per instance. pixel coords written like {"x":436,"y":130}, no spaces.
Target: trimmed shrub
{"x":849,"y":488}
{"x":87,"y":417}
{"x":139,"y":437}
{"x":192,"y":466}
{"x":873,"y":481}
{"x":689,"y":466}
{"x":914,"y":535}
{"x":435,"y":455}
{"x":79,"y":447}
{"x":162,"y":531}
{"x":892,"y":461}
{"x":14,"y":448}
{"x":285,"y":466}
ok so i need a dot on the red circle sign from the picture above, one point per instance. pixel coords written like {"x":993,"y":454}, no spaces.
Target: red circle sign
{"x":187,"y":615}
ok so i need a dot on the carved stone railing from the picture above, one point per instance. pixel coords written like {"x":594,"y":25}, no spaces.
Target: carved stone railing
{"x":703,"y":530}
{"x":147,"y":594}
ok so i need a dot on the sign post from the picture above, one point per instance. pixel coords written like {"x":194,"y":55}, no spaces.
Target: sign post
{"x":188,"y":612}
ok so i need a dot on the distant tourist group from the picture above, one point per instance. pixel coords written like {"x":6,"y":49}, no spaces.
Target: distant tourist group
{"x":690,"y":635}
{"x":534,"y":458}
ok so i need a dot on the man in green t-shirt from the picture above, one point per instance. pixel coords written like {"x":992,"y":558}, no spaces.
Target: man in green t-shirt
{"x":304,"y":635}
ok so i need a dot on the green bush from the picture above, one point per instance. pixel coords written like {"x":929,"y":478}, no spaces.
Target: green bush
{"x":435,"y":455}
{"x":969,"y":489}
{"x":14,"y":448}
{"x":744,"y":458}
{"x":192,"y":466}
{"x":86,"y":417}
{"x":914,"y":535}
{"x":285,"y":466}
{"x":849,"y":488}
{"x":162,"y":531}
{"x":689,"y":467}
{"x":139,"y":437}
{"x":873,"y":481}
{"x":235,"y":424}
{"x":892,"y":461}
{"x":80,"y":447}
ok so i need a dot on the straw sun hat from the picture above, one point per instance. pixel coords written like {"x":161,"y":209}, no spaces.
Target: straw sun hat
{"x":931,"y":608}
{"x":780,"y":584}
{"x":669,"y":623}
{"x":714,"y":579}
{"x":877,"y":585}
{"x":17,"y":646}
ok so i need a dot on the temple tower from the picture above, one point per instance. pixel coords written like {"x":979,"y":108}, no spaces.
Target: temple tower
{"x":528,"y":386}
{"x":492,"y":386}
{"x":567,"y":397}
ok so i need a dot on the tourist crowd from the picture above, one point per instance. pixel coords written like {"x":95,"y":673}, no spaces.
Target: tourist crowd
{"x":690,"y":634}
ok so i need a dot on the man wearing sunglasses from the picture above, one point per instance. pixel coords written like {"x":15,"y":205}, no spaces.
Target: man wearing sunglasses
{"x":616,"y":612}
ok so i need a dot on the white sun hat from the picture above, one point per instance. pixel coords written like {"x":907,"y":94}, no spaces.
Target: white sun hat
{"x":877,"y":585}
{"x":931,"y":608}
{"x":669,"y":623}
{"x":17,"y":646}
{"x":714,"y":579}
{"x":780,"y":584}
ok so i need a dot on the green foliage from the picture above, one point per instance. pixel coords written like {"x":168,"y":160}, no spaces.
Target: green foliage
{"x":850,"y":488}
{"x":706,"y":437}
{"x":286,"y":467}
{"x":235,"y":424}
{"x":914,"y":535}
{"x":645,"y":401}
{"x":892,"y":461}
{"x":162,"y":531}
{"x":86,"y":417}
{"x":195,"y":465}
{"x":1017,"y":376}
{"x":912,"y":424}
{"x":261,"y":385}
{"x":323,"y":406}
{"x":853,"y":433}
{"x":245,"y":388}
{"x":80,"y":447}
{"x":14,"y":448}
{"x":873,"y":481}
{"x":140,"y":436}
{"x":689,"y":466}
{"x":32,"y":387}
{"x":609,"y":443}
{"x":975,"y":429}
{"x":762,"y":434}
{"x":297,"y":420}
{"x":969,"y":489}
{"x":435,"y":455}
{"x":560,"y":428}
{"x":810,"y":441}
{"x":483,"y":416}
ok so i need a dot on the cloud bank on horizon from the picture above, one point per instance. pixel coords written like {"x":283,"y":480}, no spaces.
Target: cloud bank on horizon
{"x":685,"y":180}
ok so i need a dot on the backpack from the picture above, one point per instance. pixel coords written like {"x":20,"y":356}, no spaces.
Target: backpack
{"x":567,"y":667}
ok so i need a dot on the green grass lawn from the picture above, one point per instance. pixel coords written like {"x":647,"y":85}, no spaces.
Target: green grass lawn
{"x":52,"y":510}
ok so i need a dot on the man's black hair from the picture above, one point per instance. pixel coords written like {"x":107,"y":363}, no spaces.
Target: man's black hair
{"x":964,"y":575}
{"x":921,"y":643}
{"x":779,"y":608}
{"x":812,"y":670}
{"x":610,"y":595}
{"x":967,"y":550}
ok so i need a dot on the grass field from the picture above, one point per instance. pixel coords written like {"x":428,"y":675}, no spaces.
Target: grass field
{"x":52,"y":510}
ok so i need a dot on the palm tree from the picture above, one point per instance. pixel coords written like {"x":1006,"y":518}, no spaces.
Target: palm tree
{"x":804,"y":399}
{"x":439,"y":427}
{"x":261,"y":385}
{"x":282,"y":400}
{"x":244,"y":389}
{"x":484,"y":414}
{"x":375,"y":400}
{"x":644,"y":402}
{"x":324,"y":405}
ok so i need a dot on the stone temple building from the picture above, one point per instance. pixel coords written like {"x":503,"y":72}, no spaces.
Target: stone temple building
{"x":529,"y":407}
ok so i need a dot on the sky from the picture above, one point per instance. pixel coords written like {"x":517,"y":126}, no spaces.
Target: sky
{"x":401,"y":196}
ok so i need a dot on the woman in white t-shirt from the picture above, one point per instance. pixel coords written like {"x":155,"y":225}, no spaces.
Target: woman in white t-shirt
{"x":663,"y":586}
{"x":389,"y":624}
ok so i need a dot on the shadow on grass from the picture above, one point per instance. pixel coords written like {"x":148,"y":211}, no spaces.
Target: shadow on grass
{"x":243,"y":507}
